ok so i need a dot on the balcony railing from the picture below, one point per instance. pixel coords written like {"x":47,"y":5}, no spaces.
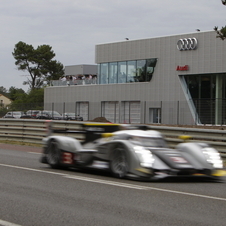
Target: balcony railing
{"x":74,"y":82}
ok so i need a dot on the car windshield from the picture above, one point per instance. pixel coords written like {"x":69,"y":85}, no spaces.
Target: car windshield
{"x":70,"y":114}
{"x":148,"y":141}
{"x":32,"y":112}
{"x":54,"y":113}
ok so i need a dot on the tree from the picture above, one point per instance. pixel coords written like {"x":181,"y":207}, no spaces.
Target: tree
{"x":221,"y":33}
{"x":23,"y":101}
{"x":38,"y":63}
{"x":3,"y":90}
{"x":36,"y":96}
{"x":16,"y":94}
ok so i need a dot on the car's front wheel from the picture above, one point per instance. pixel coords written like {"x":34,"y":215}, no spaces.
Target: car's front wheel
{"x":53,"y":154}
{"x":119,"y":162}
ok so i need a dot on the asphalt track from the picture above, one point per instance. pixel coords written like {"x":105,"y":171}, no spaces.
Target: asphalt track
{"x":32,"y":194}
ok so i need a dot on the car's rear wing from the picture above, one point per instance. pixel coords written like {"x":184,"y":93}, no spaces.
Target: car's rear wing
{"x":91,"y":131}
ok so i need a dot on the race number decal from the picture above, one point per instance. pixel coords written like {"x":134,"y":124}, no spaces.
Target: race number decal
{"x":67,"y":158}
{"x":178,"y":159}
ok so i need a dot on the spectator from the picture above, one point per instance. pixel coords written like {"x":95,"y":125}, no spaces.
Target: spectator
{"x":75,"y":80}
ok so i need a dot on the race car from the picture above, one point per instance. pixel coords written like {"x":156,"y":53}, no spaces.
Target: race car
{"x":134,"y":151}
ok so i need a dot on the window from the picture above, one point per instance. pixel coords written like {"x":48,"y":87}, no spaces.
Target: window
{"x":122,"y":74}
{"x":155,"y":115}
{"x":131,"y":71}
{"x":141,"y":71}
{"x":202,"y":86}
{"x":151,"y":63}
{"x":103,"y":73}
{"x":126,"y":71}
{"x":113,"y":72}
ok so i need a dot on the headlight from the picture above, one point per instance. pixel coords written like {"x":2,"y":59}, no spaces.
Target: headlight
{"x":145,"y":156}
{"x":213,"y":157}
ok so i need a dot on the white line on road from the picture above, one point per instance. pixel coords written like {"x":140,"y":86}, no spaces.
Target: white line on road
{"x":140,"y":187}
{"x":35,"y":170}
{"x":6,"y":223}
{"x":114,"y":183}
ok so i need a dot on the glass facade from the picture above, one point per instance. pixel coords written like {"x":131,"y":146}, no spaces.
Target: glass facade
{"x":103,"y":75}
{"x":113,"y":78}
{"x":208,"y":93}
{"x":126,"y":71}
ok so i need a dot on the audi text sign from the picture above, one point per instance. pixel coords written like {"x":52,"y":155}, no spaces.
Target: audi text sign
{"x":187,"y":44}
{"x":182,"y":68}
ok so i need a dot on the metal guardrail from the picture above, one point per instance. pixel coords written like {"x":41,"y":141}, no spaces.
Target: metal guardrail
{"x":33,"y":131}
{"x":22,"y":130}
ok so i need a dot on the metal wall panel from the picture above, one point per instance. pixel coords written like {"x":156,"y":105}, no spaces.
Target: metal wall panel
{"x":165,"y":86}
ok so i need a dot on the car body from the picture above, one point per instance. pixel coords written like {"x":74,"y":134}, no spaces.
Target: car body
{"x":136,"y":152}
{"x":31,"y":114}
{"x":71,"y":116}
{"x":14,"y":114}
{"x":46,"y":114}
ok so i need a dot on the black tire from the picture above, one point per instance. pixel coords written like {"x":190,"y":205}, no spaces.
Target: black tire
{"x":53,"y":154}
{"x":119,"y":162}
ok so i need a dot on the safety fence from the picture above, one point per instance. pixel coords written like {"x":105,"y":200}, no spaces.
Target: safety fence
{"x":33,"y":131}
{"x":203,"y":111}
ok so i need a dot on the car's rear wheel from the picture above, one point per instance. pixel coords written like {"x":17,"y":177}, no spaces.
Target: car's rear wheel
{"x":53,"y":154}
{"x":119,"y":162}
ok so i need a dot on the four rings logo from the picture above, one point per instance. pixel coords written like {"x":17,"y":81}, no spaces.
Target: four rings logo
{"x":187,"y":44}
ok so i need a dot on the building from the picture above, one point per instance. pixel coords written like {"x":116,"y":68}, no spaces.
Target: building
{"x":179,"y":79}
{"x":4,"y":101}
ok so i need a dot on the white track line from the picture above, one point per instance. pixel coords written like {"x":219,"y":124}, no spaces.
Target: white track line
{"x":114,"y":183}
{"x":6,"y":223}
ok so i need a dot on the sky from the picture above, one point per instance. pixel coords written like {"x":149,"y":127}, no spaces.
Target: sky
{"x":73,"y":27}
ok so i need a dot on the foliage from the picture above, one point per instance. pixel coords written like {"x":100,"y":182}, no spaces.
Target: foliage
{"x":32,"y":101}
{"x":15,"y":93}
{"x":3,"y":111}
{"x":36,"y":96}
{"x":3,"y":90}
{"x":38,"y":63}
{"x":221,"y":33}
{"x":22,"y":101}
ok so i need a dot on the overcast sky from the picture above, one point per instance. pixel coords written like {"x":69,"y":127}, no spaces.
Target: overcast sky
{"x":74,"y":27}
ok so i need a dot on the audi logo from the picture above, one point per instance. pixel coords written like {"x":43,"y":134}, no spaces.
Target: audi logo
{"x":187,"y":44}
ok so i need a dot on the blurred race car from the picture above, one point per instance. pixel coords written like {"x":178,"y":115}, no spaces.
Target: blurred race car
{"x":132,"y":151}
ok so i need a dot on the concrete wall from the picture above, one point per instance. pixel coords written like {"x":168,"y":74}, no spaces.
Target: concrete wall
{"x":80,"y":69}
